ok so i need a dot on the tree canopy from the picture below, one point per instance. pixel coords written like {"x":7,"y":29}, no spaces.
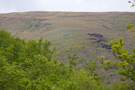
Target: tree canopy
{"x":28,"y":65}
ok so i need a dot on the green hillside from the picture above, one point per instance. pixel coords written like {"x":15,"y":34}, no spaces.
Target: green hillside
{"x":87,"y":34}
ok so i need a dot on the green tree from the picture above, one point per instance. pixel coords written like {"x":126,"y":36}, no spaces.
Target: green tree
{"x":126,"y":64}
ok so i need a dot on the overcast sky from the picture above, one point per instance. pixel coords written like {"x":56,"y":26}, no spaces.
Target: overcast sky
{"x":7,"y":6}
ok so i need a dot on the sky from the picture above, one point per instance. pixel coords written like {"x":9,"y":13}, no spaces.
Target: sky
{"x":8,"y":6}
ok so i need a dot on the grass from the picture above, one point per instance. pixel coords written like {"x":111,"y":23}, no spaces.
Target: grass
{"x":56,"y":34}
{"x":69,"y":31}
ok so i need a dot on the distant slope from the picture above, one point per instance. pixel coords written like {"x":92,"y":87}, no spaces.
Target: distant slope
{"x":84,"y":33}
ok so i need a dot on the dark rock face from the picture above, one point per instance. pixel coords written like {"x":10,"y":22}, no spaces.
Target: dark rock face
{"x":96,"y":35}
{"x":106,"y":46}
{"x":99,"y":40}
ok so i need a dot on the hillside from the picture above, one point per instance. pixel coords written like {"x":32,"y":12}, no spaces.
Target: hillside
{"x":84,"y":33}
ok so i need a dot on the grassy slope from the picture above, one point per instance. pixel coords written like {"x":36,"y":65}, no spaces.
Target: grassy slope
{"x":69,"y":31}
{"x":80,"y":33}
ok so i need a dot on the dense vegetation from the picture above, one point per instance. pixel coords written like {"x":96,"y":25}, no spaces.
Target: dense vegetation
{"x":28,"y":65}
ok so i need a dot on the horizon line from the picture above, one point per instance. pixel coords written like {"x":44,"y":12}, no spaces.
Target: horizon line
{"x":67,"y":12}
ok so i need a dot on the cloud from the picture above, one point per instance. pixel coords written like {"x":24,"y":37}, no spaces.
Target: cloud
{"x":64,"y":5}
{"x":5,"y":7}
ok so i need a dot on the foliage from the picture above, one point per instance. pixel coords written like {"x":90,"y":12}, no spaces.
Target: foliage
{"x":105,"y":63}
{"x":72,"y":60}
{"x":132,"y":3}
{"x":92,"y":66}
{"x":130,"y":26}
{"x":28,"y":65}
{"x":127,"y":61}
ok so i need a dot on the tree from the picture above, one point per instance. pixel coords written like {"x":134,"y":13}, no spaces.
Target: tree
{"x":126,"y":64}
{"x":132,"y":3}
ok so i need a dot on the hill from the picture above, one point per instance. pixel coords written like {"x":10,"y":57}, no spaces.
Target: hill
{"x":85,"y":33}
